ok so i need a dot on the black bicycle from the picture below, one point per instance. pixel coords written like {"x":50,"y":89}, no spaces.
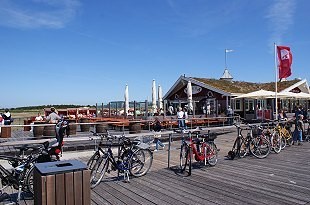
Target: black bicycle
{"x":257,"y":145}
{"x":20,"y":177}
{"x":133,"y":158}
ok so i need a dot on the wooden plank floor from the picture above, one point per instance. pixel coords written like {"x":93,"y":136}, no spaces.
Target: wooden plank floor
{"x":279,"y":179}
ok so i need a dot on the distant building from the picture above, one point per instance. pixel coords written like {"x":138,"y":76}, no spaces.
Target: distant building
{"x":221,"y":93}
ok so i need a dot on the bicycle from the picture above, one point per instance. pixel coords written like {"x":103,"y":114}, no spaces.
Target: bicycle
{"x":257,"y":146}
{"x":20,"y":177}
{"x":274,"y":138}
{"x":134,"y":158}
{"x":282,"y":130}
{"x":202,"y":148}
{"x":307,"y":132}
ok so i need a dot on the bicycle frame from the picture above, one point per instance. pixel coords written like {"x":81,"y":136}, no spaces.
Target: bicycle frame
{"x":199,"y":152}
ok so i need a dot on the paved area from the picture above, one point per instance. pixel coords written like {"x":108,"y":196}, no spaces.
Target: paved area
{"x":279,"y":179}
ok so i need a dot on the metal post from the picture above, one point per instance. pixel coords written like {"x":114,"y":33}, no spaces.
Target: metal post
{"x":146,"y":108}
{"x":101,"y":109}
{"x":169,"y":148}
{"x":165,"y":108}
{"x":96,"y":109}
{"x":190,"y":155}
{"x":134,"y":110}
{"x":109,"y":109}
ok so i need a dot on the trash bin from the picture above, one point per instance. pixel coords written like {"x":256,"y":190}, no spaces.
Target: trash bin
{"x":61,"y":183}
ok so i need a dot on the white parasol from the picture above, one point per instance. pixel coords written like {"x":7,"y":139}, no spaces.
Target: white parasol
{"x":189,"y":95}
{"x":126,"y":100}
{"x":160,"y":97}
{"x":300,"y":95}
{"x":154,"y":107}
{"x":260,"y":94}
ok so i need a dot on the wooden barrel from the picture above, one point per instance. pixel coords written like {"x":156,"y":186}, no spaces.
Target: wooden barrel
{"x":84,"y":128}
{"x":38,"y":130}
{"x":5,"y":132}
{"x":27,"y":122}
{"x":49,"y":131}
{"x":72,"y":127}
{"x":134,"y":127}
{"x":101,"y":128}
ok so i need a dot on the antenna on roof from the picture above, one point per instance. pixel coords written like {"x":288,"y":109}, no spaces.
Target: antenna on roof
{"x":226,"y":75}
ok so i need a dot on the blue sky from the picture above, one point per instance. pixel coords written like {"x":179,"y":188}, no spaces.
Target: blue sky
{"x":85,"y":52}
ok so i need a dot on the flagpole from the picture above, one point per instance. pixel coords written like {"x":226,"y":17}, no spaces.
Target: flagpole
{"x":276,"y":80}
{"x":225,"y":58}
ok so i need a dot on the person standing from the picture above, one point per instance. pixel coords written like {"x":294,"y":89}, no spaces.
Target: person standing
{"x":299,"y":129}
{"x":53,"y":117}
{"x":230,"y":113}
{"x":181,"y":120}
{"x":7,"y":117}
{"x":208,"y":109}
{"x":157,"y":129}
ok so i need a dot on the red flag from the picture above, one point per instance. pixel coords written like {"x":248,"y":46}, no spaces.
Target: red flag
{"x":285,"y":59}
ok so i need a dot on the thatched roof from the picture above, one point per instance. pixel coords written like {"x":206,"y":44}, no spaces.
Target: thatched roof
{"x":245,"y":87}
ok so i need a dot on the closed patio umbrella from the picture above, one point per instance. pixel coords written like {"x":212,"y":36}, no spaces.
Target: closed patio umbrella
{"x":190,"y":95}
{"x":126,"y":100}
{"x":154,"y":107}
{"x":160,"y":97}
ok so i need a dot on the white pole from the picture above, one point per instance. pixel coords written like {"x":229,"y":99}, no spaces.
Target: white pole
{"x":276,"y":80}
{"x":225,"y":58}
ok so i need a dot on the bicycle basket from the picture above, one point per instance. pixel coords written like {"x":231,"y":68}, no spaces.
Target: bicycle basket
{"x":256,"y":131}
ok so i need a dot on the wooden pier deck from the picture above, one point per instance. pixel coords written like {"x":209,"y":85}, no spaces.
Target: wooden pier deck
{"x":282,"y":178}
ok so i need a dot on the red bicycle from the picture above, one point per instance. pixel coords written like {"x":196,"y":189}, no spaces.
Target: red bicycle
{"x":202,"y":148}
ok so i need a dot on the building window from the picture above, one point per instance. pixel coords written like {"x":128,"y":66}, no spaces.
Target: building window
{"x":249,"y":105}
{"x":237,"y":104}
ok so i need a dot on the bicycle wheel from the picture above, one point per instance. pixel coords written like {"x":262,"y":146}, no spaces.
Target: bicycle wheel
{"x":283,"y":142}
{"x":276,"y":142}
{"x":289,"y":141}
{"x":29,"y":180}
{"x":211,"y":154}
{"x":242,"y":148}
{"x":140,"y":162}
{"x":289,"y":137}
{"x":93,"y":159}
{"x":98,"y":171}
{"x":184,"y":157}
{"x":260,"y":147}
